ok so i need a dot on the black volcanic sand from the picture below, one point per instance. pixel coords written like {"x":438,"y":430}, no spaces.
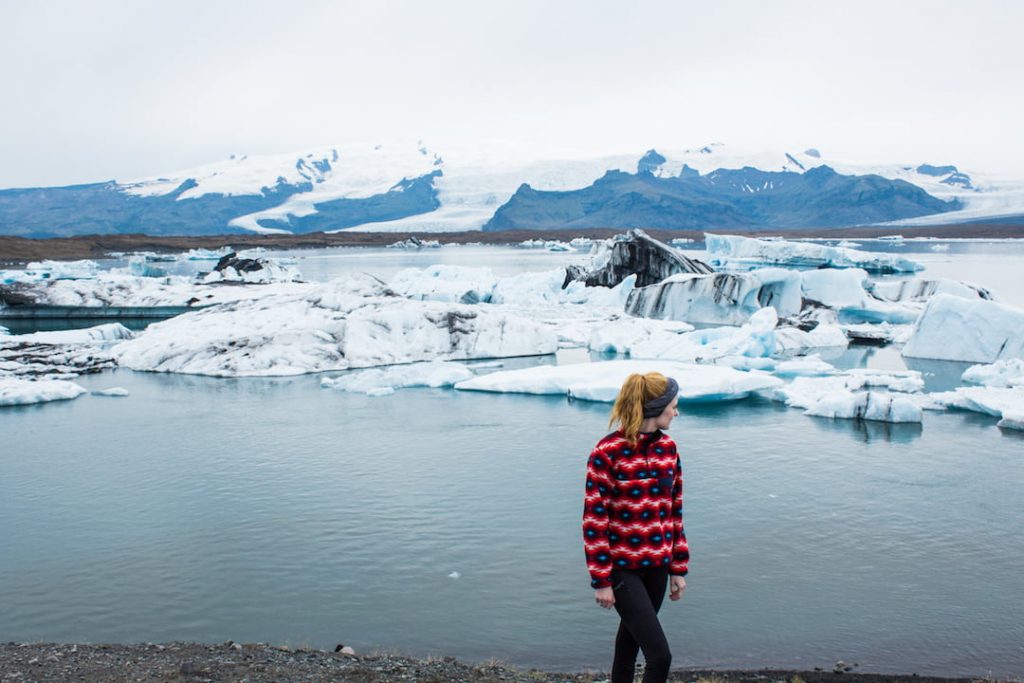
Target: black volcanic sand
{"x":262,"y":663}
{"x":18,"y":250}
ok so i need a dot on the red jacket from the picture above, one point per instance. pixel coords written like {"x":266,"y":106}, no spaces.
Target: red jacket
{"x":633,"y":508}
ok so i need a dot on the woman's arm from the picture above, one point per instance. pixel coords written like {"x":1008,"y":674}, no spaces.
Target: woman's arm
{"x":680,"y":549}
{"x":595,"y":519}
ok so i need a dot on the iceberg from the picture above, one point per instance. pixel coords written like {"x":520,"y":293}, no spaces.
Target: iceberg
{"x":601,"y":380}
{"x":719,"y":298}
{"x":866,"y":405}
{"x":845,"y":291}
{"x":635,"y":253}
{"x":237,"y":269}
{"x":349,"y":323}
{"x":415,"y":243}
{"x":921,"y":290}
{"x":40,"y":271}
{"x":206,"y":254}
{"x":804,"y":392}
{"x":112,"y":391}
{"x":1003,"y":373}
{"x":622,"y":334}
{"x":99,"y":333}
{"x":15,"y":391}
{"x":377,"y":380}
{"x":456,"y":284}
{"x":979,"y":331}
{"x":1006,"y":403}
{"x":734,"y":251}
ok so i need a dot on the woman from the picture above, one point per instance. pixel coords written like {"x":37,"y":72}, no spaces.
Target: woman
{"x":633,"y":522}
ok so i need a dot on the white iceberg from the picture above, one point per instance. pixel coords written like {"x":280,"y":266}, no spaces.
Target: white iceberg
{"x":206,"y":254}
{"x":112,"y":391}
{"x":759,"y":337}
{"x":15,"y":391}
{"x":622,"y":334}
{"x":107,"y":332}
{"x":40,"y":271}
{"x":339,"y":325}
{"x":866,"y":405}
{"x":373,"y":381}
{"x":953,"y":328}
{"x":251,"y":271}
{"x":600,"y":381}
{"x":456,"y":284}
{"x":736,"y":251}
{"x":1006,"y":403}
{"x":1003,"y":373}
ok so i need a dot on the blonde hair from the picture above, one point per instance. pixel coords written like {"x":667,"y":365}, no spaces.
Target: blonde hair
{"x":628,"y":410}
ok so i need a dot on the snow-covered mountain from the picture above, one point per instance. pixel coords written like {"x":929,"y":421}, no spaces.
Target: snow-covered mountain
{"x":413,"y":187}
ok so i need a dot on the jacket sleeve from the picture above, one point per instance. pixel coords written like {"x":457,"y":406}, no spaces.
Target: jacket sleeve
{"x":595,"y":519}
{"x":680,"y":549}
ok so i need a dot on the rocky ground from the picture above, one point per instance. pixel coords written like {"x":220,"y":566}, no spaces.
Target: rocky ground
{"x":19,"y":250}
{"x":262,"y":663}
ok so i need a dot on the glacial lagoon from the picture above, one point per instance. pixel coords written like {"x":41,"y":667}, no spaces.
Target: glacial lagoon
{"x":434,"y":521}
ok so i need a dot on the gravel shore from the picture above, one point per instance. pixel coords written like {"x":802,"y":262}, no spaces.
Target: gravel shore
{"x":263,"y":663}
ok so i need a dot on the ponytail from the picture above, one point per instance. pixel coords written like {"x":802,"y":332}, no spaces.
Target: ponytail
{"x":628,"y":410}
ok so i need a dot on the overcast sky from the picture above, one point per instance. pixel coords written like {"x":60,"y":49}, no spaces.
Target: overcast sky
{"x":117,"y":90}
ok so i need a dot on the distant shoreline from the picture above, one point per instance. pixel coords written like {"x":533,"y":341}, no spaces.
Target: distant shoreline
{"x":263,"y":663}
{"x":20,"y":250}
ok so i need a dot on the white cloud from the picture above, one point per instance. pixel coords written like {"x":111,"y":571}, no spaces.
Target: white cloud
{"x":123,"y":89}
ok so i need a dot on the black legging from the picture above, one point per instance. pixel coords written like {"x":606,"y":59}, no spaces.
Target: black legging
{"x":638,"y":597}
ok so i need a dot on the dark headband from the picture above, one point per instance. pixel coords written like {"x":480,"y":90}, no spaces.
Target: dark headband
{"x":656,"y":406}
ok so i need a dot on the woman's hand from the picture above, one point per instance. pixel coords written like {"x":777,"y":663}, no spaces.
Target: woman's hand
{"x":605,"y":597}
{"x":677,"y":585}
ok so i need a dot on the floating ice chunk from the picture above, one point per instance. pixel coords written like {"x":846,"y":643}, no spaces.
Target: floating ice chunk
{"x":329,"y":327}
{"x":234,"y":268}
{"x":100,"y":333}
{"x":140,"y":266}
{"x":457,"y":284}
{"x":952,"y":328}
{"x":620,"y":335}
{"x":42,"y":271}
{"x":939,"y":247}
{"x":1002,"y":402}
{"x":432,"y":374}
{"x":600,"y":381}
{"x":1003,"y":373}
{"x":635,"y":253}
{"x":804,"y":392}
{"x":866,"y":405}
{"x":921,"y":290}
{"x":719,"y":298}
{"x":733,"y":250}
{"x":112,"y":391}
{"x":529,"y":288}
{"x":878,"y":333}
{"x":1012,"y":420}
{"x":847,"y":244}
{"x":454,"y":575}
{"x":15,"y":391}
{"x":843,"y":289}
{"x":415,"y":243}
{"x":206,"y":254}
{"x":811,"y":366}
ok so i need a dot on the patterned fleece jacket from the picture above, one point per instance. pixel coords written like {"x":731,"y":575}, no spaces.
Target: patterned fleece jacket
{"x":633,"y":507}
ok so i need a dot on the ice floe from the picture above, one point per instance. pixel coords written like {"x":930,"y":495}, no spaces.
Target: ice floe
{"x":979,"y":331}
{"x":622,"y":334}
{"x":456,"y":284}
{"x":1004,"y":373}
{"x":921,"y":290}
{"x":601,"y":380}
{"x":347,"y":323}
{"x":842,"y":395}
{"x":112,"y":391}
{"x":415,"y":243}
{"x":379,"y":381}
{"x":99,"y":333}
{"x":63,"y":354}
{"x":15,"y":391}
{"x":1006,"y":403}
{"x":733,"y":251}
{"x":39,"y":271}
